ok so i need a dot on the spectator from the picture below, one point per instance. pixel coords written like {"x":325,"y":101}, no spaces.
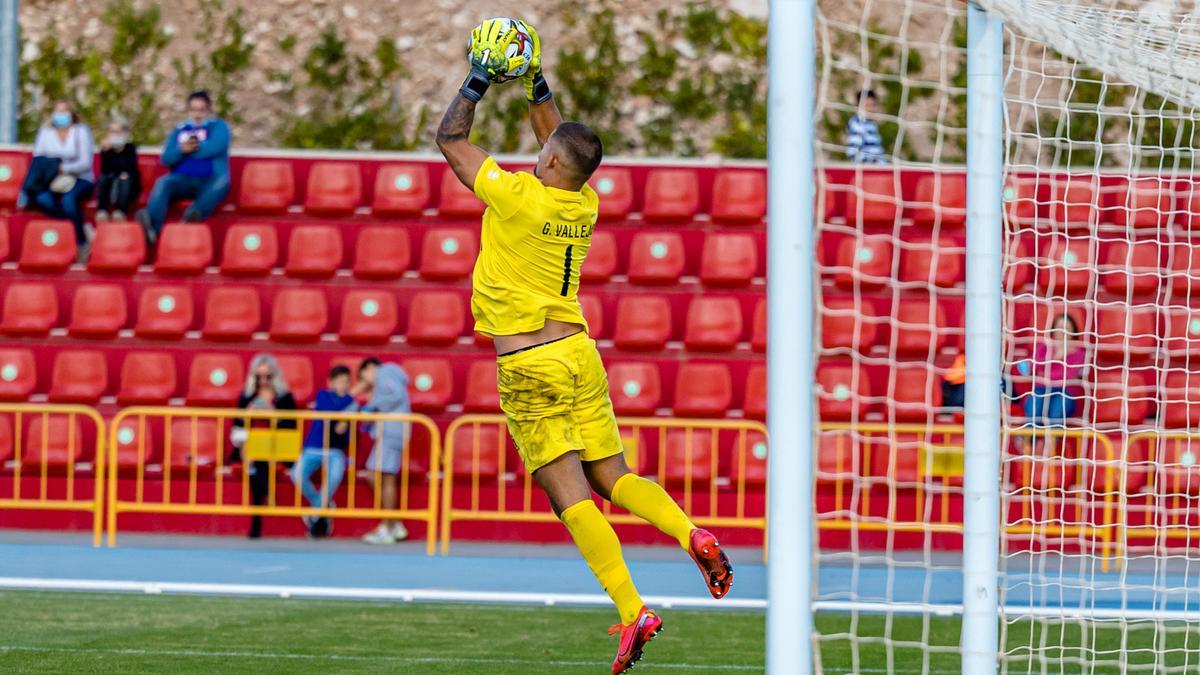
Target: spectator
{"x":387,"y":383}
{"x":120,"y":182}
{"x":863,"y":142}
{"x":326,"y":449}
{"x":265,"y":389}
{"x":1056,"y":372}
{"x":62,"y":193}
{"x":197,"y":154}
{"x":954,"y":383}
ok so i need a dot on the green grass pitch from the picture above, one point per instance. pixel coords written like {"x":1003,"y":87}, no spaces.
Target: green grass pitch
{"x":76,"y":632}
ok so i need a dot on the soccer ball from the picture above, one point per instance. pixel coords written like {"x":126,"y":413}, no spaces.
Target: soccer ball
{"x":522,"y":45}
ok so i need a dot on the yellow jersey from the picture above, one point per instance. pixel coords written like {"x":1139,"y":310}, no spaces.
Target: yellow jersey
{"x":533,"y":243}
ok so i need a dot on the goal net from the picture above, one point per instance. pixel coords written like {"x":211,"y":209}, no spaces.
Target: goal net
{"x":1098,"y":475}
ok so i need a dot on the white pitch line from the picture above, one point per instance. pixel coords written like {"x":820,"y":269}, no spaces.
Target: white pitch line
{"x":409,"y":660}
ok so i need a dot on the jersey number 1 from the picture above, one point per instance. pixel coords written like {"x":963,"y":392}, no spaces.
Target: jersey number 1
{"x":566,"y":287}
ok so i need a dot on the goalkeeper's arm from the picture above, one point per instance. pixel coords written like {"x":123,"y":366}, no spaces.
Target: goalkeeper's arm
{"x":453,"y":139}
{"x":545,"y":118}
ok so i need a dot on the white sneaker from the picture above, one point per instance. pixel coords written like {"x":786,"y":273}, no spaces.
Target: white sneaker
{"x":380,"y":535}
{"x":399,"y":532}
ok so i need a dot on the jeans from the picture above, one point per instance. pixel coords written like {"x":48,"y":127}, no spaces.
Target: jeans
{"x":208,"y":194}
{"x":311,"y":460}
{"x":68,"y":205}
{"x":1048,"y":406}
{"x":116,"y":193}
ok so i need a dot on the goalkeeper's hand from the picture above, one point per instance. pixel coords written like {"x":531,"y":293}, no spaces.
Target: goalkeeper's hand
{"x":486,"y":53}
{"x":536,"y":89}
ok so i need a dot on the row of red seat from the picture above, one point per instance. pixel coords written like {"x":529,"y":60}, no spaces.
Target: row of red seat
{"x":404,"y":190}
{"x":215,"y":379}
{"x":315,"y":251}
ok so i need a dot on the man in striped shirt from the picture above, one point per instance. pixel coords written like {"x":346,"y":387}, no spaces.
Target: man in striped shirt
{"x":863,"y":143}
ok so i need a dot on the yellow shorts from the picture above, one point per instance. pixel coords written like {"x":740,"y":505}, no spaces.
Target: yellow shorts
{"x":555,"y":400}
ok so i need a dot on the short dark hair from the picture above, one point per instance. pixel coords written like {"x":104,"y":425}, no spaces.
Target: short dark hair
{"x":866,"y":93}
{"x":582,"y":148}
{"x":339,"y":371}
{"x":202,"y":95}
{"x":367,"y":363}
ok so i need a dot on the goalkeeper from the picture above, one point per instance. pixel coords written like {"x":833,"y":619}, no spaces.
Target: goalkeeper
{"x":553,"y":387}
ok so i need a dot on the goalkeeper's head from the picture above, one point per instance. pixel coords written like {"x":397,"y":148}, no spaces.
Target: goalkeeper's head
{"x":569,"y":157}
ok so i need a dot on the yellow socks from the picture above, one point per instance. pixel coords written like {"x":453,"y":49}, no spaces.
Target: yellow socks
{"x":600,"y":548}
{"x":648,"y":501}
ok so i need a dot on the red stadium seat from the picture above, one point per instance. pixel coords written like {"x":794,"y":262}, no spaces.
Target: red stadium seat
{"x":401,"y":190}
{"x":643,"y":322}
{"x":381,"y":252}
{"x":656,"y":258}
{"x":614,"y":188}
{"x":865,"y":262}
{"x":147,"y":378}
{"x":194,"y":443}
{"x":728,"y":260}
{"x":298,"y":315}
{"x":298,"y":373}
{"x":895,"y":459}
{"x":601,"y":261}
{"x":873,"y":199}
{"x":1144,"y":203}
{"x":1117,"y":396}
{"x":232,"y":313}
{"x":215,"y":380}
{"x":5,"y":244}
{"x":690,"y":456}
{"x":1131,"y":269}
{"x":457,"y":200}
{"x":136,"y":445}
{"x":54,"y":440}
{"x":435,"y":318}
{"x":916,"y":393}
{"x":635,"y":387}
{"x":1074,"y":200}
{"x":1020,"y":268}
{"x":30,"y":308}
{"x":150,"y":166}
{"x":78,"y":377}
{"x":314,"y":251}
{"x":368,"y":317}
{"x":477,"y":451}
{"x":1184,"y":271}
{"x":18,"y":373}
{"x":1022,"y":200}
{"x":118,"y":248}
{"x":842,"y":392}
{"x":250,"y":250}
{"x":6,"y":439}
{"x":739,"y":196}
{"x":1122,"y":330}
{"x":13,"y":167}
{"x":1175,"y":469}
{"x":47,"y":246}
{"x":671,"y":195}
{"x":919,"y":328}
{"x":431,"y":383}
{"x":448,"y":253}
{"x":481,"y":395}
{"x":1182,"y":337}
{"x":184,"y":248}
{"x":847,"y":325}
{"x":839,"y":457}
{"x":1180,"y":408}
{"x":941,"y":201}
{"x":758,"y":338}
{"x":98,"y":311}
{"x":266,"y":187}
{"x":714,"y":324}
{"x":703,"y":390}
{"x":756,"y":393}
{"x":929,"y":264}
{"x":1067,"y":268}
{"x":593,"y":313}
{"x":334,"y":188}
{"x":164,"y":312}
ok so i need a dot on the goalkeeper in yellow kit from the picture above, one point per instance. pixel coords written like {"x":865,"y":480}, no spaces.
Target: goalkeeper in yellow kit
{"x":553,"y":387}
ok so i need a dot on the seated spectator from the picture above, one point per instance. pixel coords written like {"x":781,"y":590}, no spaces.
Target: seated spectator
{"x":954,"y":383}
{"x":120,"y":182}
{"x":325,"y":447}
{"x":864,"y":145}
{"x":265,"y":389}
{"x":197,"y":154}
{"x":60,"y":179}
{"x":387,"y":384}
{"x":1056,"y":373}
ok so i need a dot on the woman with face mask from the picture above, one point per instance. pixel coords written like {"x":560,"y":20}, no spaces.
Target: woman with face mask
{"x":65,"y":139}
{"x":120,"y":182}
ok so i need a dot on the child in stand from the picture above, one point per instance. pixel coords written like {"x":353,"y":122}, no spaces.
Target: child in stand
{"x":326,"y":449}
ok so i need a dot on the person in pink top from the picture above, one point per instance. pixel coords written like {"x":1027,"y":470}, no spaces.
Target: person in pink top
{"x":1056,"y":370}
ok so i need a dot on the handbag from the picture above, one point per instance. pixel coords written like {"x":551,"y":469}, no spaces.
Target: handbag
{"x":63,"y":183}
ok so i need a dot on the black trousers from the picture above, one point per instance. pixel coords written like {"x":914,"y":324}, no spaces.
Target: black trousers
{"x":116,"y":193}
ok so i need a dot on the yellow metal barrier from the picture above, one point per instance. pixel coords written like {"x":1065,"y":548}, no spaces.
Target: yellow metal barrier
{"x":704,"y":492}
{"x":49,"y":441}
{"x":196,"y":476}
{"x":1163,"y":494}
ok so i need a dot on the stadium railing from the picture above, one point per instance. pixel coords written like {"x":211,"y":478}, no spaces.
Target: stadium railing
{"x":41,"y":442}
{"x":189,"y":471}
{"x":716,"y":469}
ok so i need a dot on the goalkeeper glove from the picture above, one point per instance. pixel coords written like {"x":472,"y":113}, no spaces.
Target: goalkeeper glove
{"x":536,"y":89}
{"x":489,"y":44}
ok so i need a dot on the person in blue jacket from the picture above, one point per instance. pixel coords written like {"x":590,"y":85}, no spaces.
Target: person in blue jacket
{"x":197,"y":154}
{"x":325,"y":448}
